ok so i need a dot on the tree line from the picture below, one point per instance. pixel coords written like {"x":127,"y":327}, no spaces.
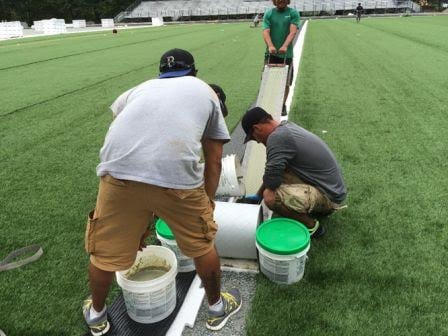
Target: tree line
{"x":33,"y":10}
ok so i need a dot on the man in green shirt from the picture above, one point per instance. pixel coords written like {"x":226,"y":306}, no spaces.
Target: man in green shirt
{"x":280,"y":26}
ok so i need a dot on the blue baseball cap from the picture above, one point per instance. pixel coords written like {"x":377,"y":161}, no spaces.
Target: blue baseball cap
{"x":176,"y":63}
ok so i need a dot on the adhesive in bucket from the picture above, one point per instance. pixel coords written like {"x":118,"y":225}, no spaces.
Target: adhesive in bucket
{"x":283,"y":244}
{"x":166,"y":237}
{"x":229,"y":183}
{"x":149,"y":286}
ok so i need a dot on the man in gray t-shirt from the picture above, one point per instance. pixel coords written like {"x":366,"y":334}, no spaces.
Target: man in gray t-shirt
{"x":302,"y":179}
{"x":151,"y":164}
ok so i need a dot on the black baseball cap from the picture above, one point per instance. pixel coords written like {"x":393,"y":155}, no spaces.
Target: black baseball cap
{"x":222,"y":98}
{"x":252,"y":117}
{"x":176,"y":63}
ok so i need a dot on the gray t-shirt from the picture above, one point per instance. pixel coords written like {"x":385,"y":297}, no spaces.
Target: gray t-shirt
{"x":305,"y":154}
{"x":157,"y":132}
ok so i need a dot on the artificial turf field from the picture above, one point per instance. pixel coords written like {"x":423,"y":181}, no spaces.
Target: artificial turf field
{"x":374,"y":91}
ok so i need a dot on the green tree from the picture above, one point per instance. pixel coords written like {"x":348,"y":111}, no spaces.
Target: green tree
{"x":32,"y":10}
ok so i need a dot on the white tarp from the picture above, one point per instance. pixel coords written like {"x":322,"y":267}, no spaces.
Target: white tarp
{"x":11,"y":29}
{"x":79,"y":23}
{"x":107,"y":23}
{"x":38,"y":25}
{"x":157,"y":21}
{"x":52,"y":26}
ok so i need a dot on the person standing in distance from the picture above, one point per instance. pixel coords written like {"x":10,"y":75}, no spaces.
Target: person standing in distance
{"x":256,"y":21}
{"x":280,"y":26}
{"x":359,"y":11}
{"x":150,"y":164}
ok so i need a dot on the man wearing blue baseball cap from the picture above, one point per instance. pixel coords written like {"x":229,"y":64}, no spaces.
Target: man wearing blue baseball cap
{"x":177,"y":63}
{"x":150,"y":163}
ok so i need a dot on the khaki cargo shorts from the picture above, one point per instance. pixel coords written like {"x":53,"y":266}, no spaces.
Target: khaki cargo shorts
{"x":125,"y":208}
{"x":303,"y":198}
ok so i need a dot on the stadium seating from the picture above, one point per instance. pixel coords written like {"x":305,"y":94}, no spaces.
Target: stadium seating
{"x":188,"y":8}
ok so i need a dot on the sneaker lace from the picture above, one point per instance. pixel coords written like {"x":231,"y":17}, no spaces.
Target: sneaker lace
{"x":230,"y":299}
{"x":100,"y":326}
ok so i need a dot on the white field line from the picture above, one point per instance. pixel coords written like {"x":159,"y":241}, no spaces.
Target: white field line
{"x":74,"y":31}
{"x":298,"y":48}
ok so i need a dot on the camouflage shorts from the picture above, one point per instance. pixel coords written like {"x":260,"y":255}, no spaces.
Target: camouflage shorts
{"x":303,"y":198}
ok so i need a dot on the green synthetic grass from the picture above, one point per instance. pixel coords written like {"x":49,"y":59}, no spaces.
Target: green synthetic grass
{"x":55,"y":95}
{"x":377,"y":88}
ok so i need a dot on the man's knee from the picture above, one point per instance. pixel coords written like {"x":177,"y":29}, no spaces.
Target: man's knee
{"x":294,"y":197}
{"x":208,"y":265}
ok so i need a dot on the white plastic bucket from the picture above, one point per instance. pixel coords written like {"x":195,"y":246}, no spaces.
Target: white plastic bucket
{"x":282,"y":244}
{"x":229,"y":185}
{"x":184,"y":263}
{"x":282,"y":269}
{"x":153,"y":300}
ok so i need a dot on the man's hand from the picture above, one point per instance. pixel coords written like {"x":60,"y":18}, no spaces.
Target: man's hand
{"x":272,"y":50}
{"x":143,"y":240}
{"x":283,"y":50}
{"x":269,"y":197}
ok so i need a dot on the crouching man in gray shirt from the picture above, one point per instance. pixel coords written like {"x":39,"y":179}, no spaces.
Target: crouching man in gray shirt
{"x":302,"y":179}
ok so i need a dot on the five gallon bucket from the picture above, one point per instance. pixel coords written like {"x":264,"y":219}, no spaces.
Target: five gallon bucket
{"x":149,"y":286}
{"x":282,"y":244}
{"x":229,"y":183}
{"x":166,"y":237}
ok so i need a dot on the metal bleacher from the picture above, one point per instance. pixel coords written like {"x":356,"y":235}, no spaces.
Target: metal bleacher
{"x":178,"y":8}
{"x":331,"y":6}
{"x":194,"y":8}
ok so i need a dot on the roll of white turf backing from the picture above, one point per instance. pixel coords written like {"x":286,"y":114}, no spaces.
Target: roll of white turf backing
{"x":229,"y":183}
{"x":237,"y":225}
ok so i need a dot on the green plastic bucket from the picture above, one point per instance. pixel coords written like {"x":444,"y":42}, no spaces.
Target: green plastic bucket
{"x":166,"y":237}
{"x":282,"y":244}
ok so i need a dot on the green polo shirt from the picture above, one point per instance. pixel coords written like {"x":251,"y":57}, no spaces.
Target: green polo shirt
{"x":279,"y":22}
